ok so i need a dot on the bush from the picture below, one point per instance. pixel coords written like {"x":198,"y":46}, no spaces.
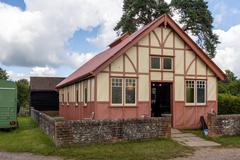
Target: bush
{"x":228,"y":104}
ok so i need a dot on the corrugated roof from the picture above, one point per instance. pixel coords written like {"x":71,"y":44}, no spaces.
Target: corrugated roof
{"x":88,"y":69}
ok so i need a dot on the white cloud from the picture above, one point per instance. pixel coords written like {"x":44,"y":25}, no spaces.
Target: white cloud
{"x":228,"y":54}
{"x":76,"y":59}
{"x":37,"y":36}
{"x":35,"y":71}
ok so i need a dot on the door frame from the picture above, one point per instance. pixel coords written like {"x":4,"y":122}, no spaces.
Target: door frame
{"x":171,"y":97}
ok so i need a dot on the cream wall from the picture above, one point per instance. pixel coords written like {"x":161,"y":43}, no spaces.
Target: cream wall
{"x":138,"y":58}
{"x":184,"y":62}
{"x":71,"y":90}
{"x":103,"y":87}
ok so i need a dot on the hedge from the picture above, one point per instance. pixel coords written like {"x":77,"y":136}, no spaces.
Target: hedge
{"x":228,"y":104}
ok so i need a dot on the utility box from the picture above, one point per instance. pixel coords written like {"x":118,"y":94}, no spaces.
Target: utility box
{"x":8,"y":104}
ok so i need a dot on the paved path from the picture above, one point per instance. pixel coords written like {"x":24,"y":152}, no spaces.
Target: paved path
{"x":191,"y":140}
{"x":25,"y":156}
{"x":213,"y":154}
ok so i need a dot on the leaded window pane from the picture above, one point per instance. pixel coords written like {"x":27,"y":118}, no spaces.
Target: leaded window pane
{"x":130,"y":91}
{"x":155,"y":62}
{"x":201,"y":85}
{"x":190,"y":91}
{"x":116,"y":91}
{"x":167,"y":63}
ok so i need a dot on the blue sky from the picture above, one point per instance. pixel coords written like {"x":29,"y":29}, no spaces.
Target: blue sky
{"x":89,"y":39}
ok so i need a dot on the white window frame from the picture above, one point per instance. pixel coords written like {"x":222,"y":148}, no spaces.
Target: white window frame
{"x":187,"y":103}
{"x":85,"y":86}
{"x":76,"y":93}
{"x":125,"y":87}
{"x":160,"y":61}
{"x":204,"y":103}
{"x":171,"y":64}
{"x":124,"y":92}
{"x":195,"y":103}
{"x":117,"y":104}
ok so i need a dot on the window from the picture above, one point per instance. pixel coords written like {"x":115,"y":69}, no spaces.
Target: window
{"x":76,"y":94}
{"x":85,"y":92}
{"x":201,"y":91}
{"x":155,"y":62}
{"x":116,"y":91}
{"x":190,"y":91}
{"x":130,"y":91}
{"x":167,"y":63}
{"x":123,"y":91}
{"x":68,"y":97}
{"x":62,"y":98}
{"x":196,"y":91}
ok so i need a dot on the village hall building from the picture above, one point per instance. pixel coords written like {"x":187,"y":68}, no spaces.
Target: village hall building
{"x":156,"y":70}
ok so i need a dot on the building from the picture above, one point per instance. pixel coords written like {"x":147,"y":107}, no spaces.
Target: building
{"x":156,"y":70}
{"x":43,"y":93}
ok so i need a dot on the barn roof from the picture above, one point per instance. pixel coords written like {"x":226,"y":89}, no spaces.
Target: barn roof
{"x":122,"y":44}
{"x":44,"y":83}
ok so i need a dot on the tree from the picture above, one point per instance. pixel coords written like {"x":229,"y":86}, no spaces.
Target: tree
{"x":23,"y":93}
{"x":230,"y":76}
{"x":197,"y":19}
{"x":140,"y":12}
{"x":194,"y":15}
{"x":3,"y":74}
{"x":234,"y":88}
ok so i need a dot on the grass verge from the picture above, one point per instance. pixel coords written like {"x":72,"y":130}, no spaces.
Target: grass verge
{"x":29,"y":138}
{"x":225,"y":141}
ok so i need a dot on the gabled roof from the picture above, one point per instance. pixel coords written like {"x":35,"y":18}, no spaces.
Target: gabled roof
{"x":102,"y":60}
{"x":44,"y":83}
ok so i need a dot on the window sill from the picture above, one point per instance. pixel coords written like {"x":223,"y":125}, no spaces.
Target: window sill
{"x":122,"y":106}
{"x":196,"y":105}
{"x":167,"y":70}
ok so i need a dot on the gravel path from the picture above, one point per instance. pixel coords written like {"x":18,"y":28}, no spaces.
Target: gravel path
{"x":25,"y":156}
{"x":199,"y":154}
{"x":214,"y":154}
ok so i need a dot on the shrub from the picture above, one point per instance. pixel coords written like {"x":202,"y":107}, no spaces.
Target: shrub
{"x":228,"y":104}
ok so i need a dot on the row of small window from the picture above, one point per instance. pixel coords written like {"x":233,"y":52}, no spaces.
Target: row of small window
{"x":195,"y":91}
{"x":123,"y":87}
{"x":156,"y":63}
{"x":85,"y":96}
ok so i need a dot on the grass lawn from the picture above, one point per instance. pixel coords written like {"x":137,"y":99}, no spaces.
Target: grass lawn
{"x":225,"y":141}
{"x":29,"y":138}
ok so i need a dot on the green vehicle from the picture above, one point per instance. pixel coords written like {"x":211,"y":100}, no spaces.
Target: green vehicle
{"x":8,"y":104}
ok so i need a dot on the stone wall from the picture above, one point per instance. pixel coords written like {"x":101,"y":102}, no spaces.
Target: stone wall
{"x":45,"y":122}
{"x":102,"y":131}
{"x":223,"y":124}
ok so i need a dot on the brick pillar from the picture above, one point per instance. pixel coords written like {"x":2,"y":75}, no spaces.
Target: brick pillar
{"x":211,"y":121}
{"x":169,"y":126}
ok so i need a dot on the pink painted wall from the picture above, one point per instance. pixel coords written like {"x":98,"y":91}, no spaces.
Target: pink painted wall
{"x":183,"y":116}
{"x":189,"y":116}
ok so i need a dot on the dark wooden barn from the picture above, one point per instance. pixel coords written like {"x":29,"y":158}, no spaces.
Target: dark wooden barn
{"x":43,"y":93}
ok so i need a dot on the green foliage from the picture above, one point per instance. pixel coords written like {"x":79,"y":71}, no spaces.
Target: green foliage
{"x":230,"y":76}
{"x":140,"y":12}
{"x":197,"y":19}
{"x":23,"y":93}
{"x":3,"y":74}
{"x":194,"y":15}
{"x":234,"y":88}
{"x":228,"y":104}
{"x":29,"y":138}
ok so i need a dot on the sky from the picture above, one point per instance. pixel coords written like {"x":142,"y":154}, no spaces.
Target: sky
{"x":54,"y":38}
